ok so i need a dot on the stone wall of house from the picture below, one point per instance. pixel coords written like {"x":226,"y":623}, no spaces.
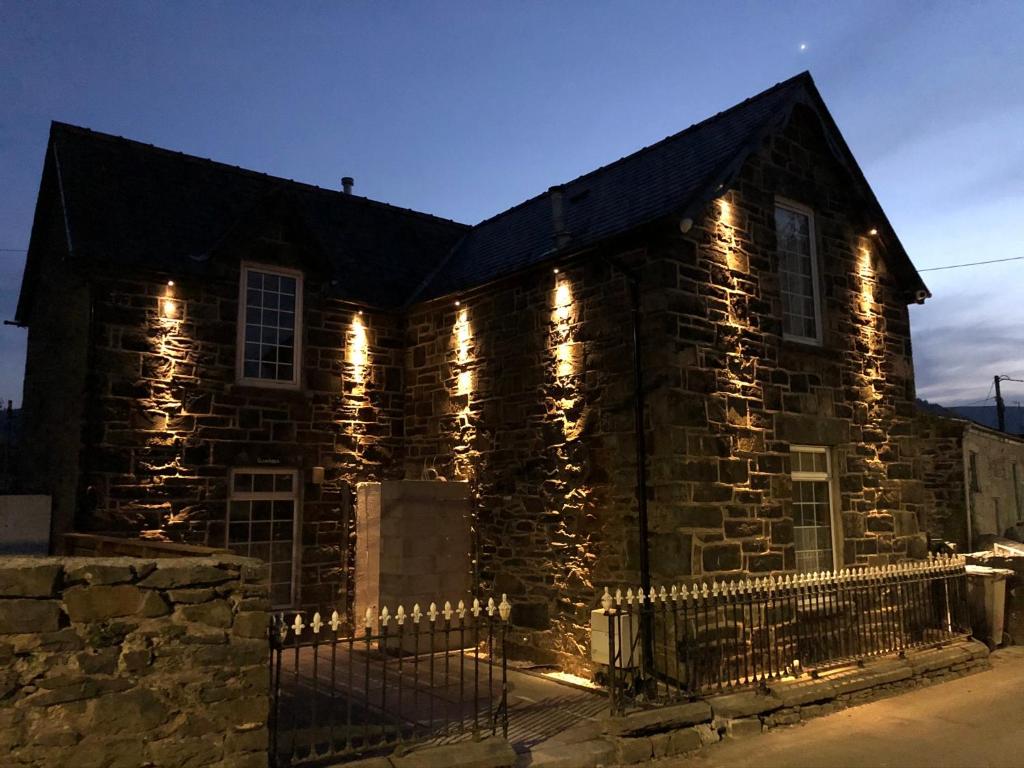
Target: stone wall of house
{"x":526,"y":390}
{"x":122,"y":662}
{"x":169,"y":422}
{"x":741,"y":395}
{"x":941,"y":457}
{"x":991,"y":496}
{"x":55,"y":366}
{"x":997,"y":500}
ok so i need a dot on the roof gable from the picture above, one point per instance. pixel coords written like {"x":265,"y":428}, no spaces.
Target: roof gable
{"x":675,"y":176}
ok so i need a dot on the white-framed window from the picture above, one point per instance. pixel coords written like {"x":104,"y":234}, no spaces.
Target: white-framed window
{"x":798,"y":272}
{"x":815,"y":531}
{"x":263,"y":522}
{"x":269,"y":326}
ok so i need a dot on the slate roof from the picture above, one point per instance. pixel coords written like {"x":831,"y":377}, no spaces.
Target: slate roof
{"x":675,"y":176}
{"x":136,"y":204}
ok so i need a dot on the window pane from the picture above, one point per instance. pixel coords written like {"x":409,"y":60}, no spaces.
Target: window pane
{"x":270,"y":325}
{"x":796,"y":274}
{"x":270,"y":534}
{"x":240,"y":510}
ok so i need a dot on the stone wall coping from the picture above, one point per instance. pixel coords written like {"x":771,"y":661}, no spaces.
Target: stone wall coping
{"x":68,"y":563}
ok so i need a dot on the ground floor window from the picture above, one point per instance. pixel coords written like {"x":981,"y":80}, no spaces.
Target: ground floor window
{"x":262,"y":517}
{"x":814,"y":529}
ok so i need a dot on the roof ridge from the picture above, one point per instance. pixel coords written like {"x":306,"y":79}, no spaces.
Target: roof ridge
{"x":239,"y":170}
{"x":802,"y":76}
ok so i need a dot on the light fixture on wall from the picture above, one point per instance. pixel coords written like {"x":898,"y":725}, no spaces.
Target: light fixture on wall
{"x":168,"y":308}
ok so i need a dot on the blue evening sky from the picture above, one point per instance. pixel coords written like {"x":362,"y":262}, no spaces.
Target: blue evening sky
{"x":463,"y":109}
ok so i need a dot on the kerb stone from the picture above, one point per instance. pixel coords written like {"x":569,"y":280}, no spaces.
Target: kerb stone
{"x":745,"y":704}
{"x":658,"y":720}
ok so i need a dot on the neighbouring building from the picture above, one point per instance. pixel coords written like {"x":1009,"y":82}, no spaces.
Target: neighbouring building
{"x":218,"y":356}
{"x":974,"y":477}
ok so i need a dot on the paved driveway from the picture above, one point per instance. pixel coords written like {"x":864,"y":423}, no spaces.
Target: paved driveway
{"x":973,"y":722}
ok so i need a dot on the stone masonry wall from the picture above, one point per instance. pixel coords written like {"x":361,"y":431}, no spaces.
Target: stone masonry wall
{"x":525,"y":389}
{"x":122,"y":662}
{"x":942,"y":469}
{"x":170,"y":422}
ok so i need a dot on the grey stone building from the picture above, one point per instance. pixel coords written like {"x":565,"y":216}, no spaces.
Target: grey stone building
{"x":204,"y":339}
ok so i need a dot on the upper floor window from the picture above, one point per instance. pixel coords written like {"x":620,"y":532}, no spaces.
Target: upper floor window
{"x":798,"y":272}
{"x":269,"y":326}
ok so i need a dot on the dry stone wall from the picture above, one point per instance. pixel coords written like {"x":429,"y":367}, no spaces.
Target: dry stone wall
{"x":122,"y":662}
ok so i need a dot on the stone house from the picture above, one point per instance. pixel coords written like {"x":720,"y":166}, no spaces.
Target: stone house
{"x":213,"y":349}
{"x":974,"y":479}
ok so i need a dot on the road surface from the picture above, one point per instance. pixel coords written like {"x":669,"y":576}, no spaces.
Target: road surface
{"x":973,"y":722}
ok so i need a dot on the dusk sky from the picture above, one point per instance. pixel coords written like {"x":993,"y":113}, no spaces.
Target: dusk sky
{"x":464,"y":109}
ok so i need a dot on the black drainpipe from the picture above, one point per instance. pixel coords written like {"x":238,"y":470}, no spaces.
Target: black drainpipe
{"x":639,"y":406}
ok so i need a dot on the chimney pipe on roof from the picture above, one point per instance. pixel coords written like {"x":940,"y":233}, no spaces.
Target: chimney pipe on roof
{"x":559,"y":231}
{"x":347,"y":183}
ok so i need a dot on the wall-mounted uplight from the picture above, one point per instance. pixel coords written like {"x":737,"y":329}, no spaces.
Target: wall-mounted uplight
{"x":170,"y":283}
{"x":555,"y":270}
{"x":458,"y":303}
{"x":873,"y":232}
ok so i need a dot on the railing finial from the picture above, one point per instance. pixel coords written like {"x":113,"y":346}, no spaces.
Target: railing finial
{"x":606,"y":599}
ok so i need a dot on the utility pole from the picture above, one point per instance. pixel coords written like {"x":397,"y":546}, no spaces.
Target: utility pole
{"x":1000,"y":405}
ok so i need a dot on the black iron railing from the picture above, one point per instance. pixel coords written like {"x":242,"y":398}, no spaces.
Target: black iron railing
{"x":724,"y":636}
{"x":402,"y":679}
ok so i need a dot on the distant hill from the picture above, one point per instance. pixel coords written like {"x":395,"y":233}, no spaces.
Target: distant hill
{"x":980,"y":414}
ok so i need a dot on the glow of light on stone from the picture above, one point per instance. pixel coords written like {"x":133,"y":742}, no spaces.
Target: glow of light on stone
{"x":561,"y":320}
{"x":867,"y":275}
{"x":358,"y":354}
{"x":463,"y":340}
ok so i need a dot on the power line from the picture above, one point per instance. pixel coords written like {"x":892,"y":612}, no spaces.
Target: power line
{"x":971,"y":264}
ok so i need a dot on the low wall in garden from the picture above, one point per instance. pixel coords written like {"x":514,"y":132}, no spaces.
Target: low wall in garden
{"x":130,"y":661}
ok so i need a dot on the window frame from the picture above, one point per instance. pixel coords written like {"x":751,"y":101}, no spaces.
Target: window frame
{"x":812,"y":236}
{"x":243,"y":280}
{"x":295,"y":496}
{"x":829,"y":478}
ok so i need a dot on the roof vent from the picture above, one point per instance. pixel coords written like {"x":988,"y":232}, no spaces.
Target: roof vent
{"x":347,"y":182}
{"x":559,"y":231}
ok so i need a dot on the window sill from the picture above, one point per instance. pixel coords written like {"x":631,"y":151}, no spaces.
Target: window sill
{"x":292,"y":392}
{"x":796,"y":346}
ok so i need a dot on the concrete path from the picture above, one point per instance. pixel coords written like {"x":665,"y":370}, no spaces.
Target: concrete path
{"x":973,"y":722}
